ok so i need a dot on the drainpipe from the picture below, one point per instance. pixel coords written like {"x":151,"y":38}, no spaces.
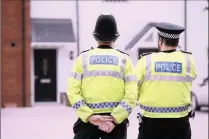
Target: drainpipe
{"x":0,"y":61}
{"x":23,"y":55}
{"x":77,"y":27}
{"x":185,"y":25}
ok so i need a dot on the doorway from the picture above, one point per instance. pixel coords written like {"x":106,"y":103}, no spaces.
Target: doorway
{"x":45,"y":75}
{"x":146,"y":50}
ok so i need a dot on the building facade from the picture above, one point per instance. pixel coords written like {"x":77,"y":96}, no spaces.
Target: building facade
{"x":39,"y":41}
{"x":53,"y":49}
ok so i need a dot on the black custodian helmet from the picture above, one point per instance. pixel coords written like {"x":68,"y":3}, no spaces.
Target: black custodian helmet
{"x":106,"y":28}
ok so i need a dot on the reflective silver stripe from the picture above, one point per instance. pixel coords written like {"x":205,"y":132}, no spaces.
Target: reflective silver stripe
{"x":165,"y":109}
{"x":122,"y":66}
{"x":103,"y":73}
{"x":188,"y":63}
{"x":169,"y":78}
{"x":125,"y":106}
{"x":87,"y":73}
{"x":148,"y":67}
{"x":103,"y":105}
{"x":130,"y":78}
{"x":78,"y":104}
{"x":188,"y":68}
{"x":75,"y":75}
{"x":84,"y":62}
{"x":150,"y":77}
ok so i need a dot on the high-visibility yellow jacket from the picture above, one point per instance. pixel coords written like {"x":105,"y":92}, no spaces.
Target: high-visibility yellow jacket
{"x":165,"y":81}
{"x":102,"y":82}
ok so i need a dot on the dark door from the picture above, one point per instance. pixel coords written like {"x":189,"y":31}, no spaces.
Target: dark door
{"x":45,"y":75}
{"x":146,"y":50}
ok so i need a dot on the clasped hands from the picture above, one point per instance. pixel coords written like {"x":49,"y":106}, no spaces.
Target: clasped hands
{"x":104,"y":122}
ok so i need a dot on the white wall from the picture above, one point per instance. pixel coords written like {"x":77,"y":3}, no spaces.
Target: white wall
{"x":88,"y":13}
{"x":54,"y":9}
{"x":64,"y":65}
{"x":197,"y":41}
{"x":131,"y":17}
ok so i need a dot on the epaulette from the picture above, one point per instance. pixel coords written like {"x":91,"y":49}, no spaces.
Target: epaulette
{"x":186,"y":52}
{"x":122,"y":52}
{"x":86,"y":50}
{"x":144,"y":54}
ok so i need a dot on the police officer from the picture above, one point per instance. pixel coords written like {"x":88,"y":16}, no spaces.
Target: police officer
{"x":165,"y":81}
{"x":102,"y":89}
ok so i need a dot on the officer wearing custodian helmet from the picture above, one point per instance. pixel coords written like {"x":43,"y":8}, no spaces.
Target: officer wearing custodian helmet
{"x":165,"y":81}
{"x":102,"y":88}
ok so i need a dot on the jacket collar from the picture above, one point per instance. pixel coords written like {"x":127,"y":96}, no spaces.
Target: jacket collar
{"x":168,"y":51}
{"x":105,"y":47}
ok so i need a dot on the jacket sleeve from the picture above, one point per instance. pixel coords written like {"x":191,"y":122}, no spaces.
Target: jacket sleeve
{"x":122,"y":111}
{"x":139,"y":71}
{"x":74,"y":92}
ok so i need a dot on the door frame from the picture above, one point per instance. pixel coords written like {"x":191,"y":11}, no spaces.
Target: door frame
{"x":33,"y":77}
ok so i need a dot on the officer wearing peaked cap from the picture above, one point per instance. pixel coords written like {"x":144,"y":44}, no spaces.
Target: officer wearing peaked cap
{"x":169,"y":31}
{"x":165,"y":80}
{"x":102,"y":88}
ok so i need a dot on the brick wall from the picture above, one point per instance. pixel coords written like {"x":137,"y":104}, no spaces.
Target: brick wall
{"x":12,"y":57}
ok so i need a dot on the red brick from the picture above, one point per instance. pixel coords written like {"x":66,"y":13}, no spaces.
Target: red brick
{"x":12,"y":57}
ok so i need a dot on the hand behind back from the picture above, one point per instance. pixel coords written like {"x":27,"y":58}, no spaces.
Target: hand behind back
{"x":107,"y":126}
{"x":103,"y":121}
{"x":98,"y":119}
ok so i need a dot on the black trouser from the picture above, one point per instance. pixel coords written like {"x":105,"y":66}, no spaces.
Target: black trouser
{"x":88,"y":131}
{"x":164,"y":128}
